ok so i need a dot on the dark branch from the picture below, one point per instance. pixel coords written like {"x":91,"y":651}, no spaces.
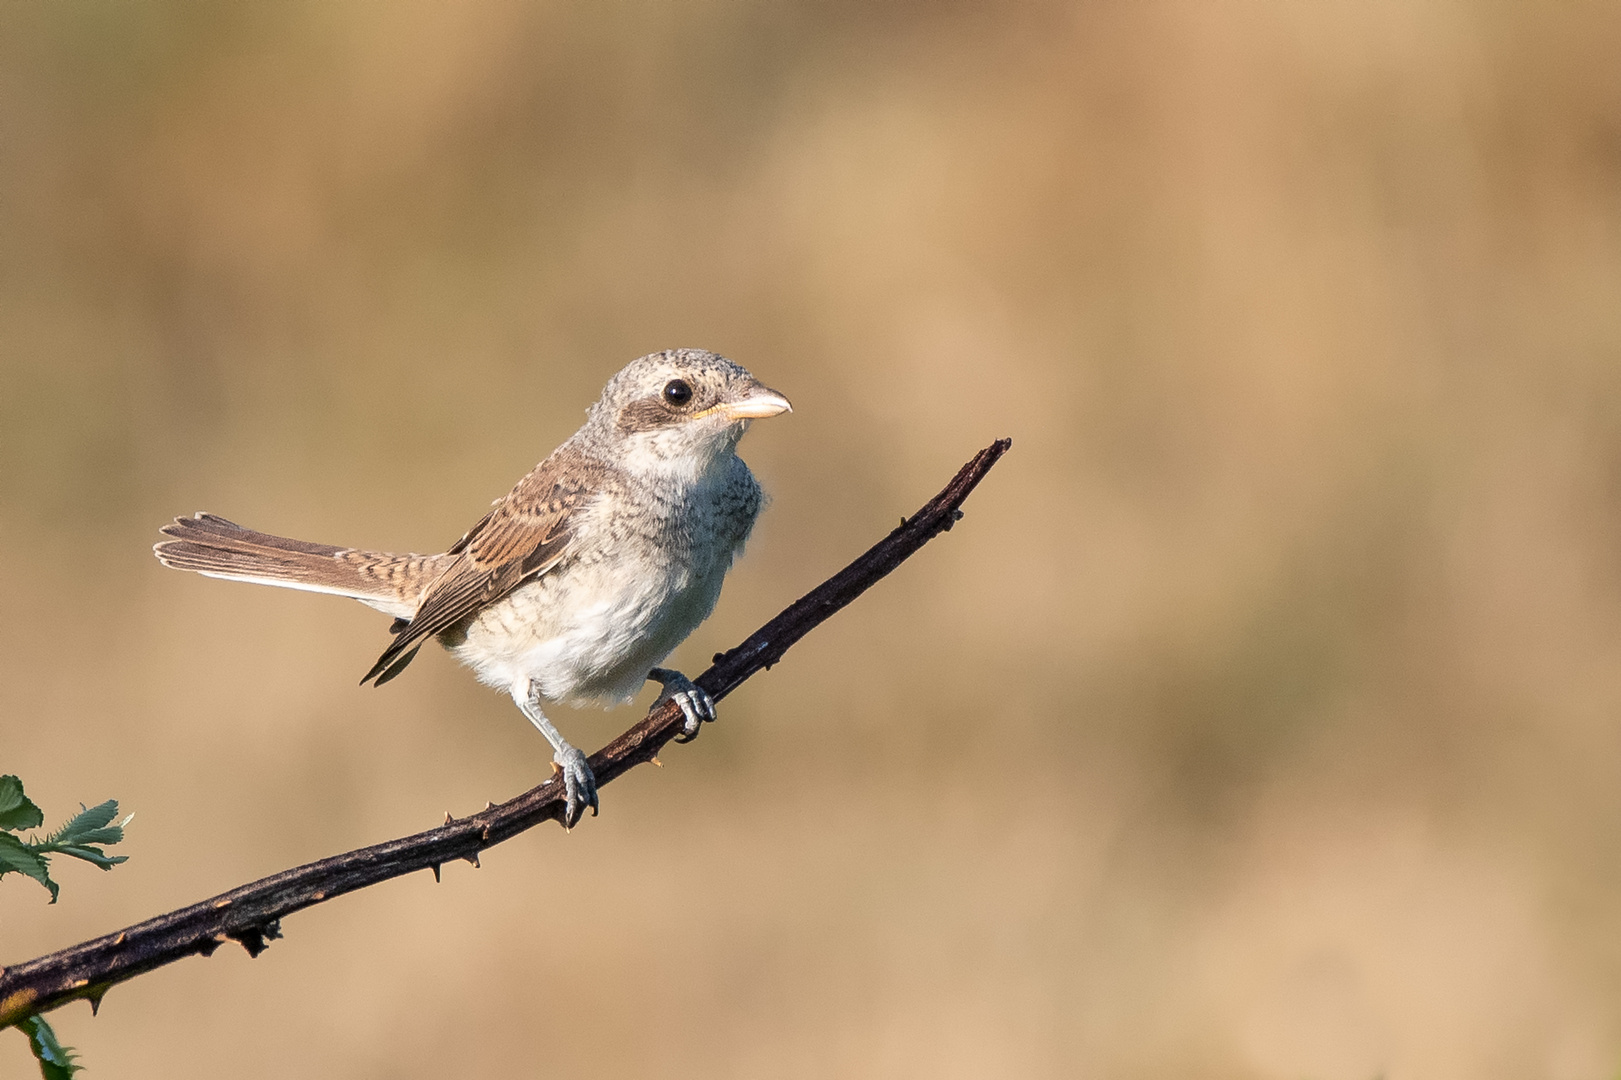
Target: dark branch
{"x":251,"y":915}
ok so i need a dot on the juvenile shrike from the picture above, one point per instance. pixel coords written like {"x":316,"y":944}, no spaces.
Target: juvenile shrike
{"x":583,"y":577}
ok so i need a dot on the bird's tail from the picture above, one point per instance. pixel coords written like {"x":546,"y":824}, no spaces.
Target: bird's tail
{"x":215,"y":547}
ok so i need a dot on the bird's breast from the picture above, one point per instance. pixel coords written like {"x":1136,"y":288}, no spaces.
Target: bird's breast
{"x":644,"y":570}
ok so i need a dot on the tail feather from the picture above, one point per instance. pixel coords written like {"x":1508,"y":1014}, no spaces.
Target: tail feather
{"x":211,"y":545}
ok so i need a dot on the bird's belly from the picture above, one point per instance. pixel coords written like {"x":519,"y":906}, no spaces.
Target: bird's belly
{"x":587,"y":635}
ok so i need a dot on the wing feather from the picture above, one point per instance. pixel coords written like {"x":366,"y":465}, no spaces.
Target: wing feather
{"x":526,"y":534}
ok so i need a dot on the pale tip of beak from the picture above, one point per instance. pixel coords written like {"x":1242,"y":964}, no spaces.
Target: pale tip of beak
{"x":758,"y":405}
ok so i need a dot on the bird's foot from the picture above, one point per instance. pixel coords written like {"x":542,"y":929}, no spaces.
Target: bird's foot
{"x":579,"y":784}
{"x":696,"y":705}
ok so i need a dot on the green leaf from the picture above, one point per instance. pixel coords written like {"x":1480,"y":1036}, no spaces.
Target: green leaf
{"x":89,"y":826}
{"x":55,"y":1060}
{"x":17,"y":857}
{"x":17,"y":811}
{"x":77,"y":838}
{"x":88,"y":854}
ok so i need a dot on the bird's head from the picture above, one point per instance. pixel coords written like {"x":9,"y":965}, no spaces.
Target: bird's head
{"x":680,"y":410}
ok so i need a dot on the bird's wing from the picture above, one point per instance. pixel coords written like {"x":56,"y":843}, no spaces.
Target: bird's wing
{"x":526,"y":534}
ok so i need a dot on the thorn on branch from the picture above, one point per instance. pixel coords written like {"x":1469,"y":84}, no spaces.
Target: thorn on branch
{"x":256,"y":939}
{"x":435,"y":869}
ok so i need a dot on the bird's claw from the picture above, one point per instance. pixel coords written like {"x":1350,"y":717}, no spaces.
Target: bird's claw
{"x":696,"y":704}
{"x":579,"y":785}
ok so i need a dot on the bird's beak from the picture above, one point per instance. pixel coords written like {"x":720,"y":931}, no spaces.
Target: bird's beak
{"x":761,"y":402}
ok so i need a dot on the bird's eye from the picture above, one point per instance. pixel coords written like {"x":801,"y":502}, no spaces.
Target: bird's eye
{"x":677,"y":392}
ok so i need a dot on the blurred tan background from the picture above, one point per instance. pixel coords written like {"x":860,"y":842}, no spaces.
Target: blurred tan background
{"x":1263,"y":718}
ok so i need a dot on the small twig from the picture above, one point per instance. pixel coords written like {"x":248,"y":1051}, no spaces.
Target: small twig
{"x":251,"y":915}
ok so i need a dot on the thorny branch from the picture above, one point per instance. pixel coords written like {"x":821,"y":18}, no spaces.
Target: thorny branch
{"x":251,"y":915}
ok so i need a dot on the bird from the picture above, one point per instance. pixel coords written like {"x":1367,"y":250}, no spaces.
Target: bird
{"x":578,"y":582}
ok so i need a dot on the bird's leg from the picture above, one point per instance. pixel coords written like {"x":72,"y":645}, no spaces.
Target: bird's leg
{"x":579,"y":784}
{"x":697,"y":706}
